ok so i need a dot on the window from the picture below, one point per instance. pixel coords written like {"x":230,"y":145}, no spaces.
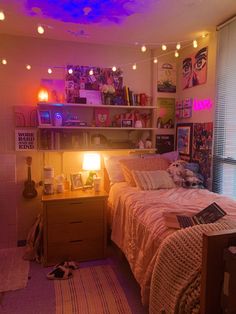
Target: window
{"x":224,"y":157}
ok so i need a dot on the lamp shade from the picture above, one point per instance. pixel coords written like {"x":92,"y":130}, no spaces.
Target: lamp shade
{"x":91,"y":161}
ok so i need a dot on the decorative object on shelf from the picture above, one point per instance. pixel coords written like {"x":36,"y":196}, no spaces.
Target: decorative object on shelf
{"x":166,"y":112}
{"x":148,"y":143}
{"x":183,"y":109}
{"x":91,"y":163}
{"x":127,"y":123}
{"x":108,"y":92}
{"x":164,"y":143}
{"x":44,"y":117}
{"x":195,"y":69}
{"x":57,"y":121}
{"x":43,"y":95}
{"x":76,"y":181}
{"x":184,"y":139}
{"x":93,"y":97}
{"x":138,"y":124}
{"x":25,"y":139}
{"x":55,"y":89}
{"x":48,"y":180}
{"x":166,"y":77}
{"x":102,"y":117}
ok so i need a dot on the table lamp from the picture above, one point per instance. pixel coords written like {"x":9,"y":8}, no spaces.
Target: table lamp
{"x":91,"y":163}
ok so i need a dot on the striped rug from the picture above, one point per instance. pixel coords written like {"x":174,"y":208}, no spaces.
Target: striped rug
{"x":92,"y":290}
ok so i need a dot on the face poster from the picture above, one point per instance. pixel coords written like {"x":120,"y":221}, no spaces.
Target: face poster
{"x":194,"y":69}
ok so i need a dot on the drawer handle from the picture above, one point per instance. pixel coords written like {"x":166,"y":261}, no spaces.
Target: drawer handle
{"x":76,"y":222}
{"x":76,"y":203}
{"x":76,"y":241}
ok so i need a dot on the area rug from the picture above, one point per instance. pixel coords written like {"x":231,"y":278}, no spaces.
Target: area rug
{"x":14,"y":269}
{"x":91,"y":290}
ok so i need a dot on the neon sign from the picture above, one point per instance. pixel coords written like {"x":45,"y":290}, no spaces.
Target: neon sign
{"x":202,"y":104}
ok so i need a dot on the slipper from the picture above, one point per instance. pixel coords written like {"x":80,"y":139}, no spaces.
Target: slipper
{"x":60,"y":273}
{"x":71,"y":265}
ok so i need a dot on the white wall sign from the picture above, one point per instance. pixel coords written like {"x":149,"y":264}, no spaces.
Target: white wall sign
{"x":25,"y":139}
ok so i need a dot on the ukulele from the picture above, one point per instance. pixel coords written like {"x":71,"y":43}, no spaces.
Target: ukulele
{"x":29,"y":190}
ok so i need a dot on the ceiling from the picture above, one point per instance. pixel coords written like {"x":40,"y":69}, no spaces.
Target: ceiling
{"x":116,"y":22}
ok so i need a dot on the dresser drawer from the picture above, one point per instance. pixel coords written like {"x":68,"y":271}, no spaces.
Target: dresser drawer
{"x":65,"y":233}
{"x":76,"y":251}
{"x":74,"y":211}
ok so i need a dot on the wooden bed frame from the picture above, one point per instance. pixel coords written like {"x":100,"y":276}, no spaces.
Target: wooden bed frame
{"x":212,"y":300}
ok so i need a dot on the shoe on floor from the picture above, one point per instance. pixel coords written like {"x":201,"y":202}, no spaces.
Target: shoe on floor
{"x":71,"y":265}
{"x":60,"y":273}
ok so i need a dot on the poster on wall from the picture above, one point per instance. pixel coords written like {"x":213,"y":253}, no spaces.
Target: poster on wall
{"x":90,"y":78}
{"x":166,"y":77}
{"x":164,"y":143}
{"x":194,"y":69}
{"x":166,"y":112}
{"x":184,"y":140}
{"x":202,"y":148}
{"x":25,"y":139}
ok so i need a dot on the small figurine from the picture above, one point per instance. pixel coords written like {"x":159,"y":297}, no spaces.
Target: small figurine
{"x":148,"y":143}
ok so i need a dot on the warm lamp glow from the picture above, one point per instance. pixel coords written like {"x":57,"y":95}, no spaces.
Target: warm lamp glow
{"x":43,"y":95}
{"x":2,"y":16}
{"x":91,"y":161}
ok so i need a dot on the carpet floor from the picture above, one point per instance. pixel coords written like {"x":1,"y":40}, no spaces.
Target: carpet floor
{"x":39,"y":297}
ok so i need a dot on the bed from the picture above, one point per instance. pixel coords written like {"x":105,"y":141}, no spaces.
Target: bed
{"x":167,"y":263}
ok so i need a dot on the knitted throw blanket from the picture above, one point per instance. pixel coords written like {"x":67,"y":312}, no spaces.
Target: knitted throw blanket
{"x":175,"y":285}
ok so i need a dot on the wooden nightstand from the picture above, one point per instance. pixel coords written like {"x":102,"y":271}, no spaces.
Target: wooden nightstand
{"x":74,"y":226}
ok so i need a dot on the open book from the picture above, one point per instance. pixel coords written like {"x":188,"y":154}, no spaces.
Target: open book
{"x":210,"y":214}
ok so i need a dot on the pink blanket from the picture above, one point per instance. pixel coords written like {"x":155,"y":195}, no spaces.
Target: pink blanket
{"x":138,"y":226}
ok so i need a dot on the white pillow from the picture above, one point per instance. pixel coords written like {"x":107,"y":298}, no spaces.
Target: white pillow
{"x":113,"y":167}
{"x":153,"y":180}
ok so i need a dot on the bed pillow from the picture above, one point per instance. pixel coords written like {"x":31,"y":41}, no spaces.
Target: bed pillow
{"x":153,"y":180}
{"x":141,"y":164}
{"x":113,"y":167}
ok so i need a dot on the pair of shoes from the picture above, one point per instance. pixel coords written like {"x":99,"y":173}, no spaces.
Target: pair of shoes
{"x":63,"y":270}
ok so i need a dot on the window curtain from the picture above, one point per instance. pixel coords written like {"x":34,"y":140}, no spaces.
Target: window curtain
{"x":224,"y":155}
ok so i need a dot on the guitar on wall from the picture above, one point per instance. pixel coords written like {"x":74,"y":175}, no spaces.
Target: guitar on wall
{"x":29,"y":190}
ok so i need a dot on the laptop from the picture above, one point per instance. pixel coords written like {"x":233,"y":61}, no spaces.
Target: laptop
{"x":210,"y":214}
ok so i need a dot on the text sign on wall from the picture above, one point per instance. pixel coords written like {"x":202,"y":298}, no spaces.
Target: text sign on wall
{"x":25,"y":139}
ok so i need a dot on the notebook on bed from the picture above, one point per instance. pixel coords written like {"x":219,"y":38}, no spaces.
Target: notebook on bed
{"x":210,"y":214}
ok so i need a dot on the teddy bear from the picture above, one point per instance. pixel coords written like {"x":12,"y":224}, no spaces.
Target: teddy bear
{"x":177,"y":172}
{"x":192,"y":179}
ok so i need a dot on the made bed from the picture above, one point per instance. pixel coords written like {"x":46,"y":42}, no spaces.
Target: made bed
{"x":169,"y":266}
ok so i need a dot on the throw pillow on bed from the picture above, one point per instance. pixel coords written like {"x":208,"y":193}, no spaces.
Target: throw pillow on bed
{"x":153,"y":180}
{"x":141,"y":164}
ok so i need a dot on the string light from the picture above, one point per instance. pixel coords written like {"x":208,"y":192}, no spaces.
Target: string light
{"x":134,"y":67}
{"x":4,"y":61}
{"x":143,"y":48}
{"x":155,"y":60}
{"x":28,"y":67}
{"x":91,"y":72}
{"x":40,"y":29}
{"x":195,"y":44}
{"x":114,"y":69}
{"x":49,"y":71}
{"x":163,"y":47}
{"x":176,"y":54}
{"x":2,"y":16}
{"x":70,"y":71}
{"x":178,"y":46}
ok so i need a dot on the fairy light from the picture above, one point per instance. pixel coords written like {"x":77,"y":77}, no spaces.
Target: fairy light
{"x":143,"y":48}
{"x":114,"y":69}
{"x":2,"y":16}
{"x":163,"y":47}
{"x":40,"y":29}
{"x":176,"y":54}
{"x":134,"y":67}
{"x":70,"y":71}
{"x":28,"y":67}
{"x":4,"y":61}
{"x":195,"y":44}
{"x":49,"y":71}
{"x":178,"y":46}
{"x":155,"y":60}
{"x":91,"y":72}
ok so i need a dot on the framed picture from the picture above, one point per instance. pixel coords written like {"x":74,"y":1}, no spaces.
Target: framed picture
{"x":127,"y":123}
{"x":76,"y":181}
{"x":102,"y":117}
{"x":44,"y":117}
{"x":184,"y":139}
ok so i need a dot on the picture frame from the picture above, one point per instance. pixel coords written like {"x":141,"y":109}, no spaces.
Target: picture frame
{"x":184,"y":139}
{"x":76,"y":181}
{"x":127,"y":123}
{"x":44,"y":117}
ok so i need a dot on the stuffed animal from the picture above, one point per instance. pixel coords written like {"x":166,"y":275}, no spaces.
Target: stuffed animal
{"x":176,"y":171}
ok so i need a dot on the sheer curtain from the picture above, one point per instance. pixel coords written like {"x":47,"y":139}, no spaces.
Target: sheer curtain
{"x":224,"y":156}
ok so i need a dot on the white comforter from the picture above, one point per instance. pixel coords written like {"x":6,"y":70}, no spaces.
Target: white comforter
{"x":138,"y":226}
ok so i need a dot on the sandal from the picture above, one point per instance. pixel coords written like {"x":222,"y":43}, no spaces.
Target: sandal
{"x":71,"y":265}
{"x":60,"y":273}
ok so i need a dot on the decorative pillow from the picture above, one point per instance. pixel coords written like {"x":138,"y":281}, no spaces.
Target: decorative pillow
{"x":113,"y":167}
{"x":141,"y":164}
{"x":171,"y":156}
{"x":153,"y":180}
